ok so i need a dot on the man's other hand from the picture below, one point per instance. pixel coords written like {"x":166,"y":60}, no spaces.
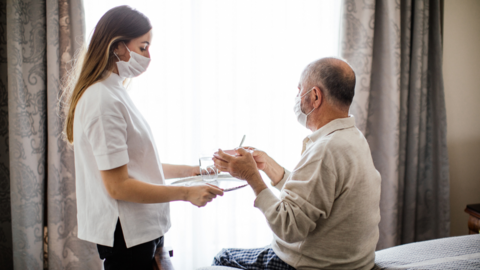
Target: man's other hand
{"x":260,"y":157}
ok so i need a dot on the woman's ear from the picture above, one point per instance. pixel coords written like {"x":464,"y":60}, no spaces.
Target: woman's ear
{"x":119,"y":51}
{"x":119,"y":48}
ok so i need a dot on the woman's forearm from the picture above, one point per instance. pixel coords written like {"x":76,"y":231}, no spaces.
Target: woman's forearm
{"x":133,"y":190}
{"x":176,"y":171}
{"x":120,"y":186}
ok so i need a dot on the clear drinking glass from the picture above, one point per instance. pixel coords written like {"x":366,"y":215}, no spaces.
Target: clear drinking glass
{"x":207,"y":169}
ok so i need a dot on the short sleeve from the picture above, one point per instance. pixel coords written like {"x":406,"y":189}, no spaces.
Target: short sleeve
{"x":107,"y":135}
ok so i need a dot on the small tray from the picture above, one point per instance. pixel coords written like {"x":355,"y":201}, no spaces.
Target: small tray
{"x":224,"y":181}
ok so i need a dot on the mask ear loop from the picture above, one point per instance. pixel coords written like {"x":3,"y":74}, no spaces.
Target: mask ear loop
{"x":126,"y":47}
{"x":313,"y":107}
{"x":310,"y":112}
{"x":116,"y":56}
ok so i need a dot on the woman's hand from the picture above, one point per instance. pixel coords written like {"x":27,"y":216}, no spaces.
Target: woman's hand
{"x":177,"y":171}
{"x":201,"y":195}
{"x":192,"y":171}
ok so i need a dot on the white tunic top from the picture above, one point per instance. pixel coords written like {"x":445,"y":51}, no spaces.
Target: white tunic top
{"x":109,"y":132}
{"x":328,"y":212}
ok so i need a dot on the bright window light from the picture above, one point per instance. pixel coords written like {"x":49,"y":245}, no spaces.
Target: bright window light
{"x":221,"y":69}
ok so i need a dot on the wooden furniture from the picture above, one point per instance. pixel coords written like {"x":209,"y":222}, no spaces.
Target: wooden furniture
{"x":162,"y":259}
{"x":474,"y":220}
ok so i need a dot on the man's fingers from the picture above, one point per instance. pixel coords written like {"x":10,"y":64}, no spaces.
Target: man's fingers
{"x":220,"y":164}
{"x":255,"y":152}
{"x":222,"y":155}
{"x":242,"y":151}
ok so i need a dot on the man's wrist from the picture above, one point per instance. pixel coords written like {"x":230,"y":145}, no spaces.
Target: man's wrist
{"x":275,"y":173}
{"x":257,"y":184}
{"x":275,"y":182}
{"x":269,"y":166}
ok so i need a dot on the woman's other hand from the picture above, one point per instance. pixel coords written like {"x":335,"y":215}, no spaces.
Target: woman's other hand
{"x":192,"y":171}
{"x":201,"y":195}
{"x":179,"y":171}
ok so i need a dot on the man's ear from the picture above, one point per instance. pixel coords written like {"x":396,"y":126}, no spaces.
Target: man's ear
{"x":318,"y":97}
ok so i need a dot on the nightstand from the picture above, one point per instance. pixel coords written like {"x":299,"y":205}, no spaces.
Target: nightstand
{"x":474,"y":220}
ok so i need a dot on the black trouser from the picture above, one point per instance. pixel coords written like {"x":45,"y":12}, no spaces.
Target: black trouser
{"x":120,"y":257}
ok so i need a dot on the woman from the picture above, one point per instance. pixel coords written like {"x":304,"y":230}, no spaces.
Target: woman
{"x":121,"y":200}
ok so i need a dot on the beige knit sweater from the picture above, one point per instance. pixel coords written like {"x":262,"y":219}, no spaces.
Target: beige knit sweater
{"x":328,"y":213}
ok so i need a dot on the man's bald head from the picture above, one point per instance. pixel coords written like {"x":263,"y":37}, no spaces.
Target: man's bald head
{"x":334,"y":76}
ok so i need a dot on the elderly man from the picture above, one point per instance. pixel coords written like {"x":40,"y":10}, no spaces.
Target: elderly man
{"x":328,"y":213}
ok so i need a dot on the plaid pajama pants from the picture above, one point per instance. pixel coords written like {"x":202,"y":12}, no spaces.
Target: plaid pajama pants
{"x":251,"y":259}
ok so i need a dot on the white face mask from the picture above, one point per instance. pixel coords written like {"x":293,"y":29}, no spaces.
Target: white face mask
{"x":136,"y":65}
{"x":301,"y":117}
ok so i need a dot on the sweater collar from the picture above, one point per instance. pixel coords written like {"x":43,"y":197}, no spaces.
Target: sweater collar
{"x":332,"y":126}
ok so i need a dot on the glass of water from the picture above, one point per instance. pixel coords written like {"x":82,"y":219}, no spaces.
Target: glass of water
{"x":207,"y":169}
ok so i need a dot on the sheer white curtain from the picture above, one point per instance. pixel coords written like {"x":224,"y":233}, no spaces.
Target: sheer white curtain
{"x":221,"y":69}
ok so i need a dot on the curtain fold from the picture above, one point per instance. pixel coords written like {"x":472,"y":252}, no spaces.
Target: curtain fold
{"x":395,"y":48}
{"x":6,"y":257}
{"x":38,"y":175}
{"x":65,"y":37}
{"x":27,"y":129}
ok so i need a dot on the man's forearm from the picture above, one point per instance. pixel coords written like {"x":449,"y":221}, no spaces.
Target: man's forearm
{"x":274,"y":171}
{"x":257,"y":184}
{"x":286,"y":217}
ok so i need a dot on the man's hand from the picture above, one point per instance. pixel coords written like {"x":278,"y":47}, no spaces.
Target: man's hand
{"x":201,"y":195}
{"x":260,"y":157}
{"x":265,"y":163}
{"x":241,"y":166}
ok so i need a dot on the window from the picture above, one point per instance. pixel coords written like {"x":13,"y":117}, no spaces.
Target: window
{"x":221,"y":69}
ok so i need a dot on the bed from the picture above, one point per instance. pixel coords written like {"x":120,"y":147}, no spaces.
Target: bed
{"x":462,"y":252}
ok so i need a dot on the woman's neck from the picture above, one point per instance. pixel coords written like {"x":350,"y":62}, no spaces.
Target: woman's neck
{"x":115,"y":69}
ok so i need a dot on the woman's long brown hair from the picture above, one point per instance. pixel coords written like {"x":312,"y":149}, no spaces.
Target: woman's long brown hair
{"x":119,"y":24}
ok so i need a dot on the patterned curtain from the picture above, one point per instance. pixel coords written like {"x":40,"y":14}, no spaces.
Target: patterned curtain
{"x":36,"y":165}
{"x":6,"y":259}
{"x":395,"y":48}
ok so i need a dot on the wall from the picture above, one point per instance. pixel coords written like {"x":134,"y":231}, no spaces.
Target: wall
{"x":461,"y":67}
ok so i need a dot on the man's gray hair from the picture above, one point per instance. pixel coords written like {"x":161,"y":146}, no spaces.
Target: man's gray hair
{"x":334,"y":76}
